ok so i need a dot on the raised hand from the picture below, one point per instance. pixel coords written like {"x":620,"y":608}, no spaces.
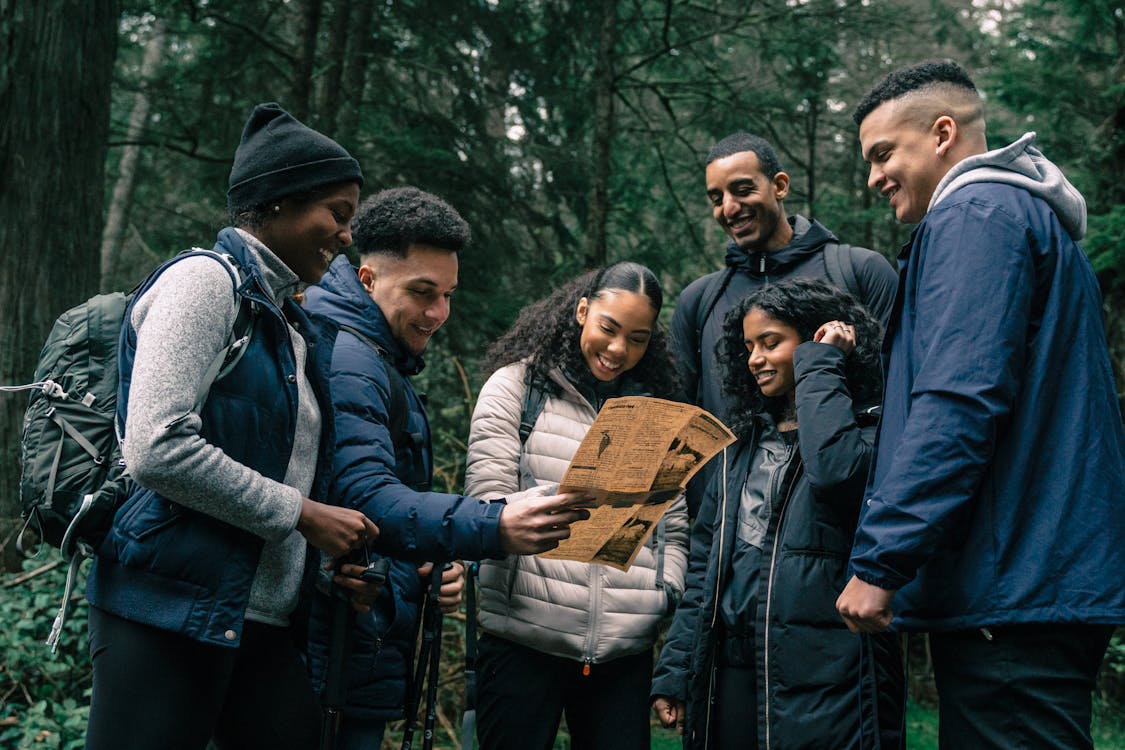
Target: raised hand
{"x":838,"y":333}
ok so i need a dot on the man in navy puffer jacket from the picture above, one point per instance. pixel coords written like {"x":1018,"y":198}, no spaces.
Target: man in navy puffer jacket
{"x":994,"y":516}
{"x":387,"y":310}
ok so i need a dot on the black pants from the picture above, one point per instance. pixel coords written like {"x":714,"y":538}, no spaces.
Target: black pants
{"x":160,"y":690}
{"x":1026,"y":688}
{"x":522,"y":694}
{"x":736,"y":708}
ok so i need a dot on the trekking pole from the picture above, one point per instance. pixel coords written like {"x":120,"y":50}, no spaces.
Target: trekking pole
{"x":339,"y":648}
{"x":430,"y":625}
{"x":435,"y":660}
{"x":469,"y":722}
{"x":414,"y":685}
{"x":334,"y":689}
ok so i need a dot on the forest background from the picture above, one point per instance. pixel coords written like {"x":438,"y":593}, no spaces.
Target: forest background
{"x":569,"y":134}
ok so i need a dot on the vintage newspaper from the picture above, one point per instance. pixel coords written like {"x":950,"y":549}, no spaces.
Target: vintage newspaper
{"x":635,"y":461}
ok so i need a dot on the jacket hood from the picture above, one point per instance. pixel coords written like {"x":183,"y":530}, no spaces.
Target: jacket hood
{"x":341,"y":297}
{"x":808,"y":238}
{"x":1022,"y":165}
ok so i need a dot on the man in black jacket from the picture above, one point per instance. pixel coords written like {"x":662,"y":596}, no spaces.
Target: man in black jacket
{"x":746,"y":187}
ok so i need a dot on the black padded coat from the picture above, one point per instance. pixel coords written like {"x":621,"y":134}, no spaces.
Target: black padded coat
{"x":819,"y":685}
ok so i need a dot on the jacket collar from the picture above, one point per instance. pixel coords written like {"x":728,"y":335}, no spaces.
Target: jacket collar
{"x":809,"y":237}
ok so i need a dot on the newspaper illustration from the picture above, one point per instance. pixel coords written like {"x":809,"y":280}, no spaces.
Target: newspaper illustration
{"x":635,"y":461}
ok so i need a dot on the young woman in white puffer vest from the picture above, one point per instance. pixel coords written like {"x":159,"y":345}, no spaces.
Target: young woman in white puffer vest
{"x":562,"y":637}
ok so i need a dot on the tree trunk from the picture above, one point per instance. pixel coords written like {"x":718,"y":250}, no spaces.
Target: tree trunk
{"x":55,"y":69}
{"x":301,"y":94}
{"x":331,"y":96}
{"x":359,"y":54}
{"x":117,"y":215}
{"x":603,"y":138}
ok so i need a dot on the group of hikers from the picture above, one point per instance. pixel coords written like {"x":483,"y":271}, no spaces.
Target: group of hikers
{"x":935,"y":449}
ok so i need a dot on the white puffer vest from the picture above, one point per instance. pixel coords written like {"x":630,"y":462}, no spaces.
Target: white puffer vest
{"x":586,"y":612}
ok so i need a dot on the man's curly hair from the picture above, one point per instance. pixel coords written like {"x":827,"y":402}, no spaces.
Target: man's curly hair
{"x":546,"y":333}
{"x":392,"y":220}
{"x":805,"y":305}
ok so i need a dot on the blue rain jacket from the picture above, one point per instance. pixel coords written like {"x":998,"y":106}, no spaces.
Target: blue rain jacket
{"x":995,"y":496}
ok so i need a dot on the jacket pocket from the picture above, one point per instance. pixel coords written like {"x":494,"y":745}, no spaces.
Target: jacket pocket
{"x":145,"y":514}
{"x":808,"y":582}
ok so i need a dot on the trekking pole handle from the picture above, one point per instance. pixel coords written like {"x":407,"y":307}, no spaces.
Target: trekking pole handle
{"x":376,"y":570}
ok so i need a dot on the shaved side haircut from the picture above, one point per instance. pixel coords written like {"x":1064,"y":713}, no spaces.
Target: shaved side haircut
{"x":925,"y":92}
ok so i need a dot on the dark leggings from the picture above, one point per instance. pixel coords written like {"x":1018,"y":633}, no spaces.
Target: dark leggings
{"x":522,"y":694}
{"x":736,"y":708}
{"x":160,"y":690}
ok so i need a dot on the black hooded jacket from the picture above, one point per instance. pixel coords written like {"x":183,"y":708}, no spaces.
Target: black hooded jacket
{"x":803,"y":257}
{"x":818,"y":685}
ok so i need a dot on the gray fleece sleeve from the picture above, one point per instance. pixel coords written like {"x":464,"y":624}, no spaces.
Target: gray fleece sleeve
{"x":181,"y":323}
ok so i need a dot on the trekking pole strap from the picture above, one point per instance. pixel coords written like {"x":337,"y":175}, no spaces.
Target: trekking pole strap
{"x":335,"y":687}
{"x":471,"y":571}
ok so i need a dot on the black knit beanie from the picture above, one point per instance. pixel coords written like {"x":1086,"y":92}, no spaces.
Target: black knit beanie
{"x":278,"y":156}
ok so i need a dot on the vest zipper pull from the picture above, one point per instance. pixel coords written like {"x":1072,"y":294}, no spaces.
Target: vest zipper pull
{"x":586,"y":668}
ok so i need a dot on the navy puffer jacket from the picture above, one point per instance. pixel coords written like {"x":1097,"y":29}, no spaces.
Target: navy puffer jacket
{"x":169,"y":566}
{"x":390,"y":484}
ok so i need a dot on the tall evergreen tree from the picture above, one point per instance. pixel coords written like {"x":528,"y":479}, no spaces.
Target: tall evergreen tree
{"x":55,"y":68}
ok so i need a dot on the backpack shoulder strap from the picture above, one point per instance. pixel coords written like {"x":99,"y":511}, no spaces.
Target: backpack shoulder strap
{"x":397,"y":410}
{"x":399,"y":413}
{"x":707,"y":302}
{"x":534,"y":397}
{"x":709,"y":299}
{"x":228,"y":357}
{"x":841,"y":268}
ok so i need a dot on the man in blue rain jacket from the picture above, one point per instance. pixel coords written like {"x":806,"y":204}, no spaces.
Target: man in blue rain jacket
{"x":994,"y":516}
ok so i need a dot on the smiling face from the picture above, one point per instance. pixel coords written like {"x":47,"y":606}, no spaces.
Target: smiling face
{"x":307,"y":234}
{"x":906,"y":158}
{"x":413,"y":292}
{"x":747,"y":204}
{"x":769,"y":346}
{"x":616,"y":328}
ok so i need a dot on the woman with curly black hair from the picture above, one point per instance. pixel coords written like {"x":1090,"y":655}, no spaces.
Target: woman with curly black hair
{"x":757,"y":655}
{"x":561,"y":636}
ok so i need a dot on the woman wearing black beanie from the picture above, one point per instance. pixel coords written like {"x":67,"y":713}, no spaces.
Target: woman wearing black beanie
{"x":194,"y":590}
